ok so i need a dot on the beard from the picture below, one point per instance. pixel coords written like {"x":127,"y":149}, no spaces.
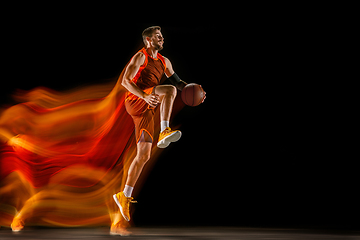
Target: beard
{"x":158,"y":47}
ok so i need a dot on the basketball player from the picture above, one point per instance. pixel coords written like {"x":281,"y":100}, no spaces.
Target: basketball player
{"x":142,"y":78}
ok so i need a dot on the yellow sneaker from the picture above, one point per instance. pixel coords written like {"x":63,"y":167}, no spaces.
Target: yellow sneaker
{"x":17,"y":224}
{"x":167,"y":136}
{"x":124,"y":204}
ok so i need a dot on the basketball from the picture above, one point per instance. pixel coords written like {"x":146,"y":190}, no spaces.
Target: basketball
{"x":192,"y":94}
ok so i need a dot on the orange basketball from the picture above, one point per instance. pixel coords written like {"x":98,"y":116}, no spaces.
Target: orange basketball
{"x":192,"y":94}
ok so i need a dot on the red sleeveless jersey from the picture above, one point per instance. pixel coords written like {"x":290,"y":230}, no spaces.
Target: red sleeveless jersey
{"x":149,"y":74}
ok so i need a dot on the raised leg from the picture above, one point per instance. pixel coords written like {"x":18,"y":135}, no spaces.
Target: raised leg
{"x":167,"y":95}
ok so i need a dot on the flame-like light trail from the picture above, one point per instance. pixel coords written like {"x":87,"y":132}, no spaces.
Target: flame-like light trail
{"x":63,"y":155}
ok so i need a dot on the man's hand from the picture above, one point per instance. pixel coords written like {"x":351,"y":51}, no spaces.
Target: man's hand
{"x":152,"y":99}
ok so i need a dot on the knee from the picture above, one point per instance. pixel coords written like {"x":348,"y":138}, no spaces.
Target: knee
{"x":171,"y":90}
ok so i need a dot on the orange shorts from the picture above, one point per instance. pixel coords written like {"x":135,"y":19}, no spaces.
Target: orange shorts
{"x":143,"y":118}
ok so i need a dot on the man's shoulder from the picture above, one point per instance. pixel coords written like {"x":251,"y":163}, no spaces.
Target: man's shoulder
{"x":139,"y":57}
{"x":165,"y":58}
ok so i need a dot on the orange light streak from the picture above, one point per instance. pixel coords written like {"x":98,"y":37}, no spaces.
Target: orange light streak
{"x":63,"y":156}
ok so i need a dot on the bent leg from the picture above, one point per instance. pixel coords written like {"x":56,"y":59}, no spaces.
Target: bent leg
{"x":167,"y":94}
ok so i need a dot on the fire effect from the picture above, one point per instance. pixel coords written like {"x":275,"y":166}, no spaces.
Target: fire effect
{"x":63,"y":156}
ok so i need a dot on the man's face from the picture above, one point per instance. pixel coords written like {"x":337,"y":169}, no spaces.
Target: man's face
{"x":157,"y":40}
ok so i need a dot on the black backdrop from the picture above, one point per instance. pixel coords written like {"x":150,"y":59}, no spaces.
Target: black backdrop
{"x":265,"y":149}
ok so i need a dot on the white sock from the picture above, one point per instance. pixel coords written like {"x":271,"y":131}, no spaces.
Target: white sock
{"x":128,"y":191}
{"x":164,"y":124}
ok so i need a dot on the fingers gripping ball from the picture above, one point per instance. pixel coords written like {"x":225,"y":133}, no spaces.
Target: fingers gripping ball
{"x":193,"y":94}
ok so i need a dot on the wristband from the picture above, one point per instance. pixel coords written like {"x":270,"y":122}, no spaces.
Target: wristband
{"x":174,"y":79}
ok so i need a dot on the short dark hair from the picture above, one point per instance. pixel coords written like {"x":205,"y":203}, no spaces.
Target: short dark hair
{"x":148,"y":32}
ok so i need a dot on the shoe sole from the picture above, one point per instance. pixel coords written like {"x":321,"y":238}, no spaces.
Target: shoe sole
{"x":164,"y":143}
{"x":121,"y":209}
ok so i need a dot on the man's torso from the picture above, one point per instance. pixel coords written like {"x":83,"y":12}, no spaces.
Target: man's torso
{"x":149,"y":74}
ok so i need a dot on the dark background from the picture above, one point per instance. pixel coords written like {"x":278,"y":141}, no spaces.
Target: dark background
{"x":269,"y":147}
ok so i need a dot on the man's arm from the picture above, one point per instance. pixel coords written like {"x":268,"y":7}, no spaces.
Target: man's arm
{"x":130,"y":72}
{"x":169,"y":71}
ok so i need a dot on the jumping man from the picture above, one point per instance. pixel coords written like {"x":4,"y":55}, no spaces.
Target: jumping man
{"x":142,"y":78}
